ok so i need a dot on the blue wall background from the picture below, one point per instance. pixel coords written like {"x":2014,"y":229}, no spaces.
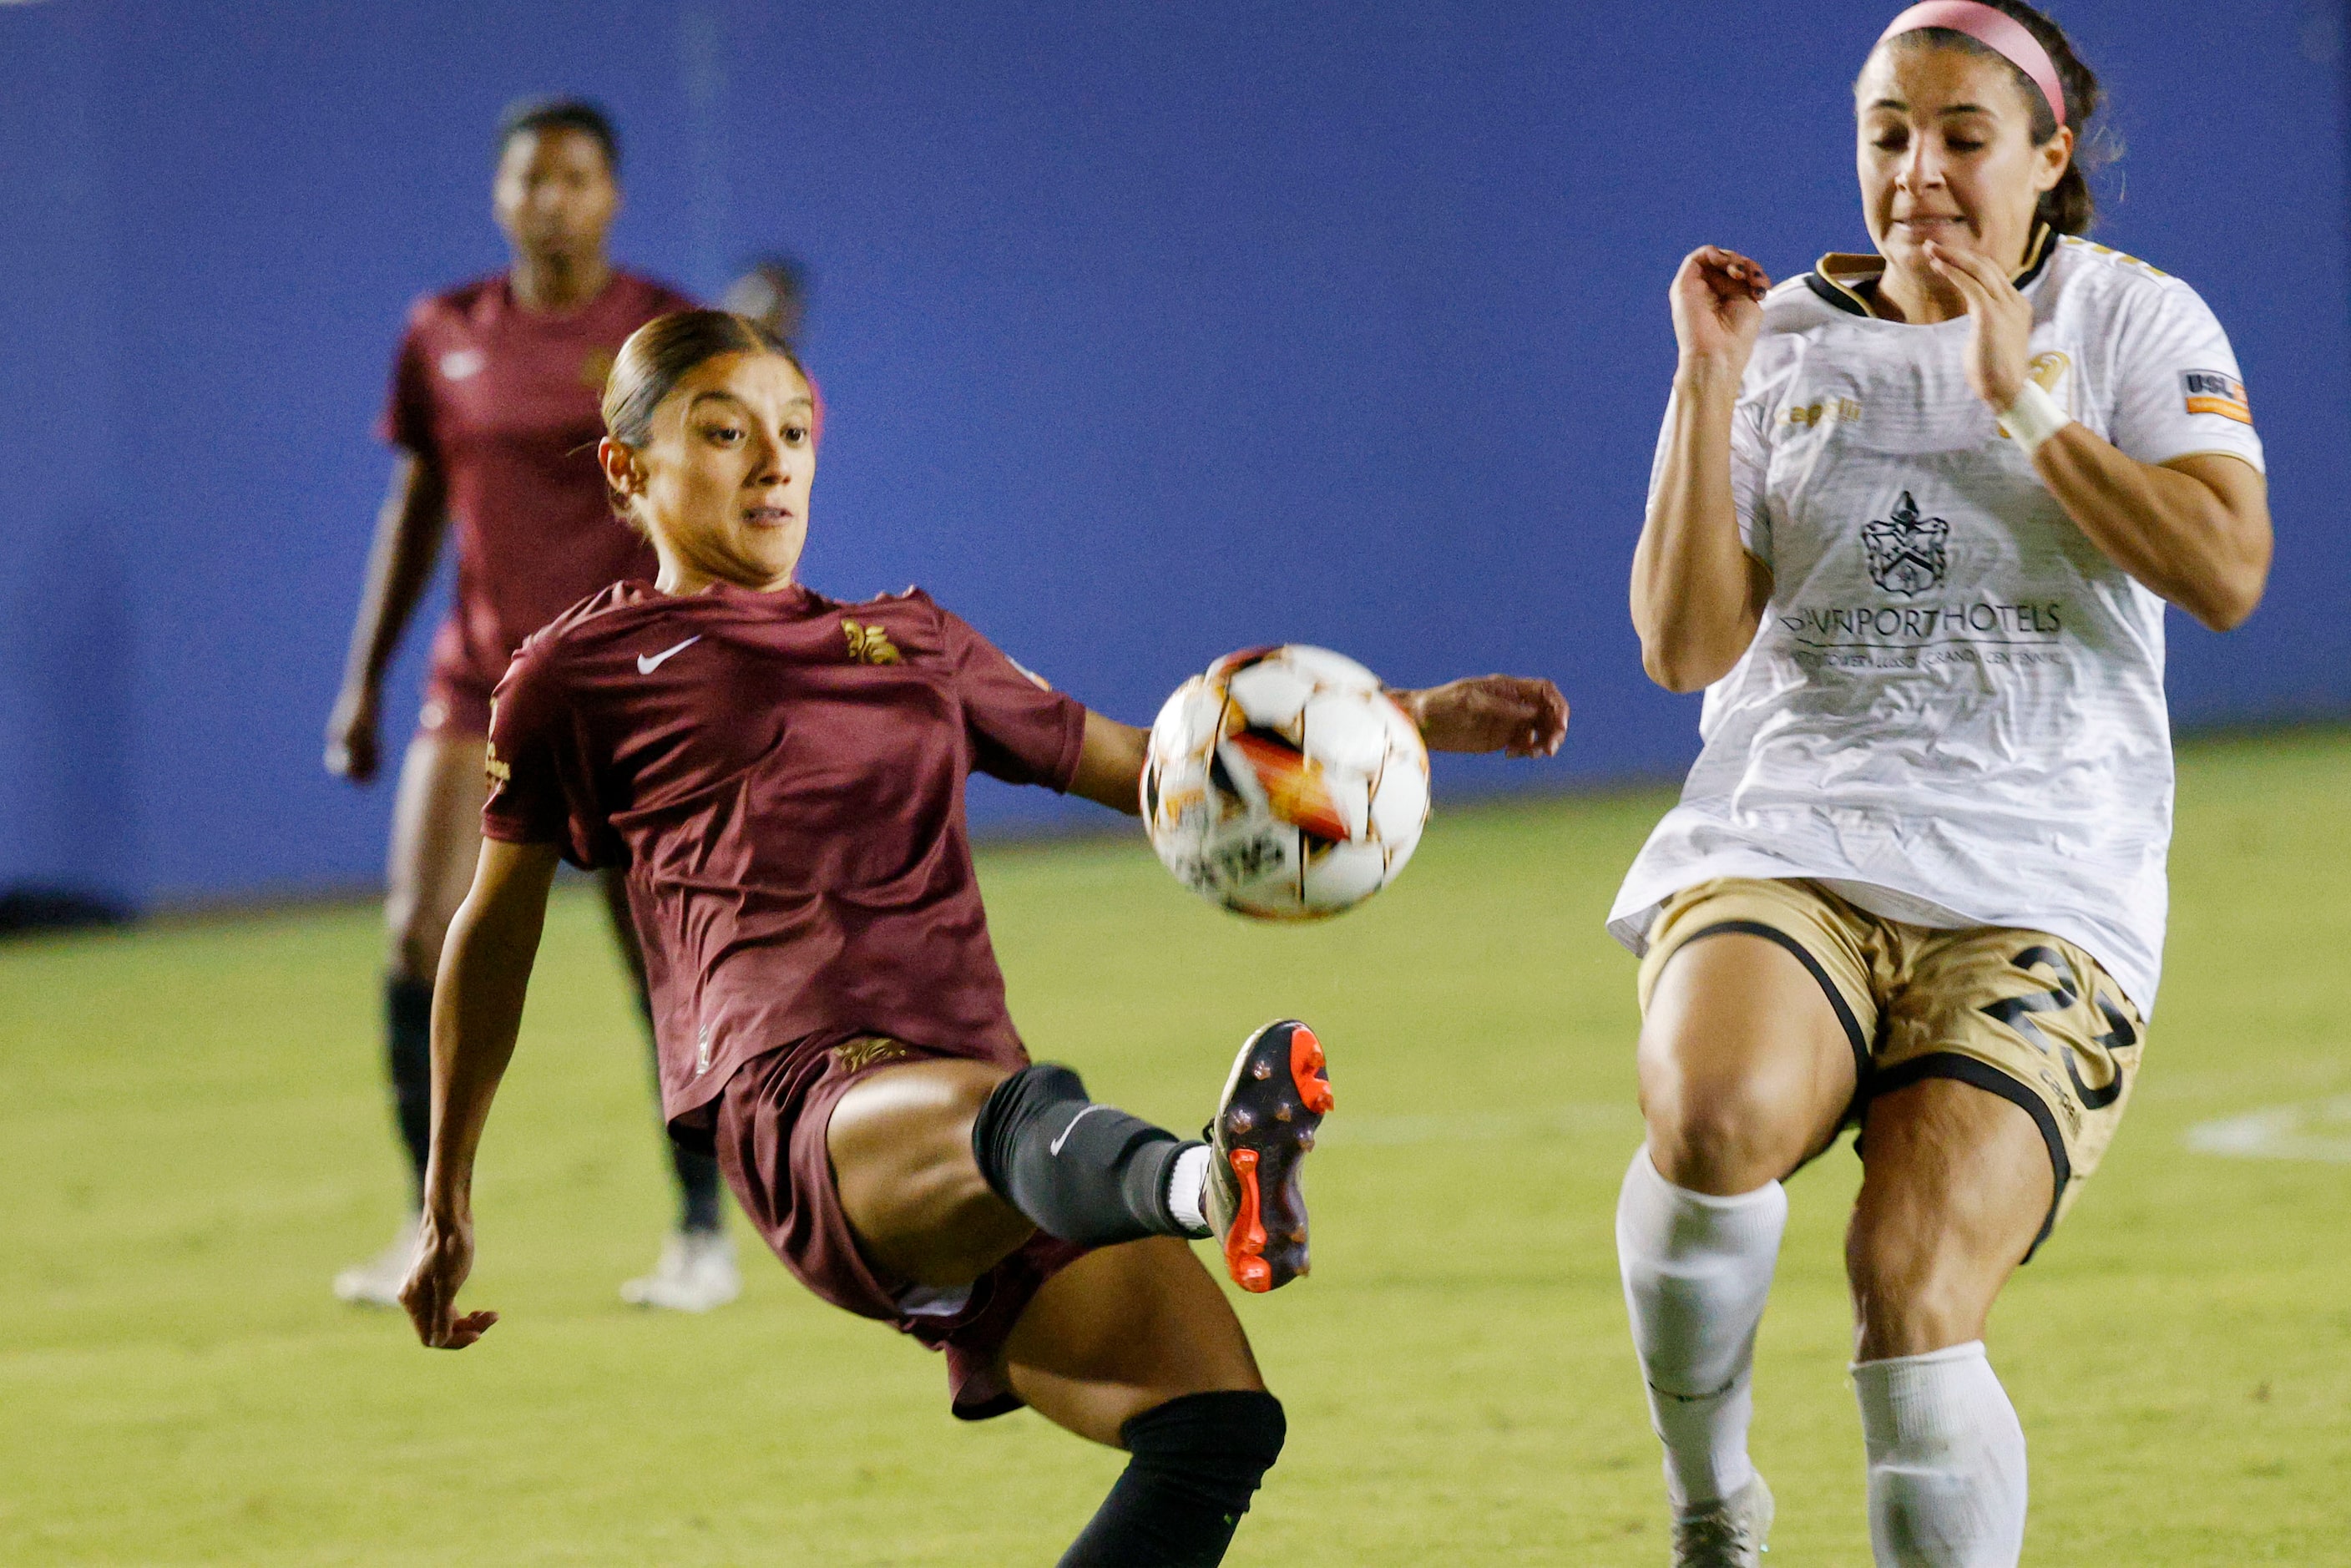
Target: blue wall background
{"x":1148,"y":331}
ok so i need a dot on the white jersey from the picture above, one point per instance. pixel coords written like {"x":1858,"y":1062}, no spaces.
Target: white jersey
{"x":1953,"y":710}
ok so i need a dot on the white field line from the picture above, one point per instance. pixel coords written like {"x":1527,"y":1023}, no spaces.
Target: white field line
{"x":1552,"y":1122}
{"x":2317,"y":1130}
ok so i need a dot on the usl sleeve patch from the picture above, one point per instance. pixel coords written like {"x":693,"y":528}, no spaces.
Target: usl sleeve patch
{"x":2211,"y":391}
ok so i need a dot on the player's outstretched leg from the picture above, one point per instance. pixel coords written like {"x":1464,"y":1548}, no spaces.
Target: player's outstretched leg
{"x":1091,"y":1173}
{"x":943,"y":1169}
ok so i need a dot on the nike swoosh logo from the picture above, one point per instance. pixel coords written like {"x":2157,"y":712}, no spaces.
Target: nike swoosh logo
{"x":1055,"y":1148}
{"x":648,"y":663}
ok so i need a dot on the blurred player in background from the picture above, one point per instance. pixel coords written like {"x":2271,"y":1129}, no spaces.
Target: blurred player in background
{"x":1915,"y":519}
{"x":493,"y":411}
{"x":773,"y":291}
{"x":782,"y":775}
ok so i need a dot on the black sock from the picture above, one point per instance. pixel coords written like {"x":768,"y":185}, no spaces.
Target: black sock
{"x":1196,"y":1461}
{"x":1086,"y":1172}
{"x":698,"y":1186}
{"x":408,"y":1053}
{"x":697,"y":1168}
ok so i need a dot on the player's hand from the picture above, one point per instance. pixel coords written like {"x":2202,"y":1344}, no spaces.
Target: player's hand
{"x":351,"y":751}
{"x":1717,"y":301}
{"x":1516,"y":715}
{"x":444,"y":1256}
{"x":2000,"y":334}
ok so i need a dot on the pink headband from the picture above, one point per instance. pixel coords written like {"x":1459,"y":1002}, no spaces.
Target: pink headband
{"x":1995,"y":30}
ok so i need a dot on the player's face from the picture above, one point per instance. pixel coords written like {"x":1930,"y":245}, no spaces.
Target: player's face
{"x":555,"y":194}
{"x":1947,"y":155}
{"x":722,"y":484}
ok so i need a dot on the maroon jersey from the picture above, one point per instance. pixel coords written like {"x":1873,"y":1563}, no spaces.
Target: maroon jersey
{"x":504,"y":401}
{"x":783,"y":777}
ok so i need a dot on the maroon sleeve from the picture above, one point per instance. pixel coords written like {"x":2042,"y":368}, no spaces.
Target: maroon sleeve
{"x":530,"y":769}
{"x":1021,"y":730}
{"x":407,"y":418}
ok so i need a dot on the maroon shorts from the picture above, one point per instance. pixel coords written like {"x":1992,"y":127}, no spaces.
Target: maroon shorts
{"x":772,"y":1124}
{"x":457,"y":695}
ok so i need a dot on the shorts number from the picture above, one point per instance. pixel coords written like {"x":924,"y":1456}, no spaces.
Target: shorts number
{"x":2017,"y":1012}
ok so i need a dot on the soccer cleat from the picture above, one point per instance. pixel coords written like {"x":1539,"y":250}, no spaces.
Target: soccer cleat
{"x":1731,"y":1533}
{"x":377,"y":1282}
{"x":1276,"y":1098}
{"x":696,"y":1272}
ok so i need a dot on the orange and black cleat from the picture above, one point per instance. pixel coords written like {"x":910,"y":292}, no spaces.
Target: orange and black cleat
{"x":1276,"y":1098}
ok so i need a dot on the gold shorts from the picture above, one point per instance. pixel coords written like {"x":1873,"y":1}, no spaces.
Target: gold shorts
{"x":2027,"y":1016}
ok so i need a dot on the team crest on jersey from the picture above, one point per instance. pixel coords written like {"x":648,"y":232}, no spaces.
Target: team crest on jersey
{"x":1908,"y":554}
{"x":869,"y":644}
{"x":872,"y":1051}
{"x":2211,"y":391}
{"x":463,"y":365}
{"x":596,"y":369}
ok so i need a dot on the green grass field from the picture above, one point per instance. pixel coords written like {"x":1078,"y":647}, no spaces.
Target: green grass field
{"x":193,"y":1138}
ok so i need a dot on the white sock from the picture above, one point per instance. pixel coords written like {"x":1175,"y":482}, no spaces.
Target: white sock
{"x":1187,"y":1187}
{"x":1946,"y":1460}
{"x":1697,"y":1271}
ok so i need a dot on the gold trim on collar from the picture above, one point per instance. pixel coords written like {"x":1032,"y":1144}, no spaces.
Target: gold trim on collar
{"x":1849,"y":273}
{"x":2042,"y":235}
{"x":1846,"y":272}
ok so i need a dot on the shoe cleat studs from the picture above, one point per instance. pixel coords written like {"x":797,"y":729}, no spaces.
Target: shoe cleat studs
{"x":1245,"y":1242}
{"x":1280,"y":1091}
{"x":1308,"y":1072}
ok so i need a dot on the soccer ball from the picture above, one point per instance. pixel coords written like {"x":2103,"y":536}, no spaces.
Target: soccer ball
{"x":1285,"y":784}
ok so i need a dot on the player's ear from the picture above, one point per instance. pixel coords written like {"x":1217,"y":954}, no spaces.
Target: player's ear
{"x":2055,"y":156}
{"x":623,"y":474}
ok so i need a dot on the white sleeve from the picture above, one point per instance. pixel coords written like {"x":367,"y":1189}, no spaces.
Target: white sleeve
{"x":2176,"y":387}
{"x":1751,"y":460}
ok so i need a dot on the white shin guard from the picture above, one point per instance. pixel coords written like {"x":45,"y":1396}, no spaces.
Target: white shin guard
{"x":1947,"y":1473}
{"x":1696,"y":1271}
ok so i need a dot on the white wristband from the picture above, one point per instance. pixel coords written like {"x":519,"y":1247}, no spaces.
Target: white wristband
{"x":2034,"y":418}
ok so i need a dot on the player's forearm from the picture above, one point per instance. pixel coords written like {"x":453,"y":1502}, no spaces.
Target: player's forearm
{"x":1109,"y":765}
{"x":400,"y":564}
{"x":2170,"y":530}
{"x":477,"y":1004}
{"x":1693,"y":590}
{"x":1521,"y":715}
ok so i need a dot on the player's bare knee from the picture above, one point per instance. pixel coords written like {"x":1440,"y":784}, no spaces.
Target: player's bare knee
{"x":1712,"y":1136}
